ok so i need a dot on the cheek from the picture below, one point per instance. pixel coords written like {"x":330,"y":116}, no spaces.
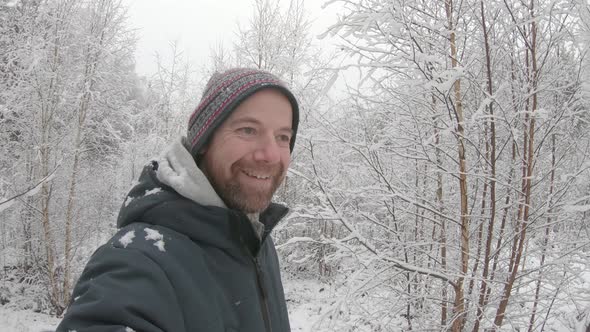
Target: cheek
{"x":230,"y":160}
{"x":286,"y":156}
{"x":286,"y":160}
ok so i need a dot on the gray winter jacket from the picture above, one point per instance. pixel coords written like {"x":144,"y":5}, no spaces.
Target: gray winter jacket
{"x":176,"y":265}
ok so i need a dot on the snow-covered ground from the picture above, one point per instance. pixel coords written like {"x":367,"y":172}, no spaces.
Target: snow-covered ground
{"x":313,"y":306}
{"x":25,"y":321}
{"x":306,"y":299}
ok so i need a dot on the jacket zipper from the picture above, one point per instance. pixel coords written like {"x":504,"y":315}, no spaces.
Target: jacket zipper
{"x":262,"y":294}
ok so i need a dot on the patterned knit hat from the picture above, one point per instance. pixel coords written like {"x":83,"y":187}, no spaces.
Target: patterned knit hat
{"x":223,"y":93}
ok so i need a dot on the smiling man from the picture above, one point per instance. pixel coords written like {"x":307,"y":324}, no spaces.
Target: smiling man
{"x":194,"y":251}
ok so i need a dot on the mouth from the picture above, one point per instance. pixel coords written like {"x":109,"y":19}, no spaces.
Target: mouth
{"x":256,"y":175}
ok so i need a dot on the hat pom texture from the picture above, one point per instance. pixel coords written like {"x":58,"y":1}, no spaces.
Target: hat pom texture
{"x":223,"y":93}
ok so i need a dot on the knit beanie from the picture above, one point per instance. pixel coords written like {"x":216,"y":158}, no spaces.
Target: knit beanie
{"x":223,"y":93}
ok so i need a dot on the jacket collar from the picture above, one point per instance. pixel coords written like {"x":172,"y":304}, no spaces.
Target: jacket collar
{"x":175,"y":181}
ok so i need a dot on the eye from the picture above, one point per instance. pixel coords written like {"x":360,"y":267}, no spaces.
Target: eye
{"x":284,"y":139}
{"x":247,"y":131}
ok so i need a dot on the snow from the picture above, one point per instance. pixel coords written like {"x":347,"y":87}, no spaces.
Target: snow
{"x":154,"y":235}
{"x":127,"y":239}
{"x":153,"y":191}
{"x":35,"y":190}
{"x":577,"y":208}
{"x":151,"y":235}
{"x":296,"y":239}
{"x":25,"y":321}
{"x":4,"y":204}
{"x":306,"y":298}
{"x":313,"y":305}
{"x":128,"y":200}
{"x":160,"y":245}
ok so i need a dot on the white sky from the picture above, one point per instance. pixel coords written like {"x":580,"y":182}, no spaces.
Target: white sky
{"x":198,"y":25}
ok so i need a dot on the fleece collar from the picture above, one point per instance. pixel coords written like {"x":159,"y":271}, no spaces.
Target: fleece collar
{"x":178,"y":170}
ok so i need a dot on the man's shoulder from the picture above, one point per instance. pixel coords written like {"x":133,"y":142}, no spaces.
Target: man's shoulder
{"x":148,"y":238}
{"x":161,"y":245}
{"x":140,"y":248}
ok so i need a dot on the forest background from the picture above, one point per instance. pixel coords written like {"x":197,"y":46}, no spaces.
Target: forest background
{"x":440,"y":181}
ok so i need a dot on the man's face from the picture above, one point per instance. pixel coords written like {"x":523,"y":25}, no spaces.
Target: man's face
{"x":248,"y":155}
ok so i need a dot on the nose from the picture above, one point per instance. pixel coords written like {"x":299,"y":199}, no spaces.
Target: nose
{"x":267,"y":150}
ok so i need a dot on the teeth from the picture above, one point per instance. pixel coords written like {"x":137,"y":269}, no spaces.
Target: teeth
{"x":261,"y":177}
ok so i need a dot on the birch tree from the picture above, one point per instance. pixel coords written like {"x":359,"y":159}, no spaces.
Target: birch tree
{"x":65,"y":70}
{"x":454,"y":118}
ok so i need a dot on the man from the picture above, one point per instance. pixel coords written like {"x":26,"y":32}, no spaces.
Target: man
{"x":193,"y":252}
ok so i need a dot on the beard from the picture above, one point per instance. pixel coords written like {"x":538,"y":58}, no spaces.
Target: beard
{"x":248,"y":198}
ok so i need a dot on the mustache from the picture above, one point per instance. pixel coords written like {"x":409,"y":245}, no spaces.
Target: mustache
{"x":273,"y":170}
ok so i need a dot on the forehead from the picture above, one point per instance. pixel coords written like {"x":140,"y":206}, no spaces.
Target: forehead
{"x":267,"y":105}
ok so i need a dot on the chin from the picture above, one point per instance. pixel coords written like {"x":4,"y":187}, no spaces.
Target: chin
{"x":252,"y":207}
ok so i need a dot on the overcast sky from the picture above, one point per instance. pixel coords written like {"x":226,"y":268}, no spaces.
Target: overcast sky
{"x":197,"y":25}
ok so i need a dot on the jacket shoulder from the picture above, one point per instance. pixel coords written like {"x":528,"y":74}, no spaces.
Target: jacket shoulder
{"x":143,"y":237}
{"x":123,"y":287}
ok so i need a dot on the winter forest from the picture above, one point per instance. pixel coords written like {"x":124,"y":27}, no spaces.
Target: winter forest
{"x":440,"y":180}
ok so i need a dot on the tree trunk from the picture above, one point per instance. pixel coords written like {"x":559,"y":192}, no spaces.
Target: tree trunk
{"x":492,"y":159}
{"x":546,"y":237}
{"x":459,"y":303}
{"x":527,"y":180}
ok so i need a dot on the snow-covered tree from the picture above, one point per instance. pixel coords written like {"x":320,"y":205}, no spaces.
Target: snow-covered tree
{"x":465,"y":135}
{"x":66,"y":67}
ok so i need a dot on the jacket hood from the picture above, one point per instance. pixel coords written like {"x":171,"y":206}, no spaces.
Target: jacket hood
{"x":178,"y":169}
{"x":181,"y":198}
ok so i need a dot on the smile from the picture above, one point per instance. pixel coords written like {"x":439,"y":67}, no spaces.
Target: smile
{"x":257,"y":176}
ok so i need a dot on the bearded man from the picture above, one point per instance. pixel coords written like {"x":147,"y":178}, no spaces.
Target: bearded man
{"x":194,"y":251}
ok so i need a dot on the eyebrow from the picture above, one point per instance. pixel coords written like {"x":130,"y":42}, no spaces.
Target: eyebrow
{"x":248,"y":119}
